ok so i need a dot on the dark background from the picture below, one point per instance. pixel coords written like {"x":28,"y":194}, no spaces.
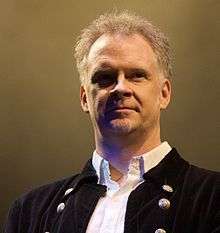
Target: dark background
{"x":43,"y":133}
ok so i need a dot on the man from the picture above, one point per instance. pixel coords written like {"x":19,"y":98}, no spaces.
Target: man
{"x":133,"y":182}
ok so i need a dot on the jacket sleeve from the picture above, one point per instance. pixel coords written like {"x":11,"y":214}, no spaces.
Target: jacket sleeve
{"x":216,"y":228}
{"x":12,"y":224}
{"x":216,"y":207}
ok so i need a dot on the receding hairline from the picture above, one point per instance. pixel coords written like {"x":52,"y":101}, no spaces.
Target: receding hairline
{"x":110,"y":37}
{"x":127,"y":23}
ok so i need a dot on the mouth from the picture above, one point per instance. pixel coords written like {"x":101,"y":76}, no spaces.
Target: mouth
{"x":121,"y":109}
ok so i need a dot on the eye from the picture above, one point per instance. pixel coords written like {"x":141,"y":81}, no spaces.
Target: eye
{"x":138,"y":75}
{"x":104,"y":78}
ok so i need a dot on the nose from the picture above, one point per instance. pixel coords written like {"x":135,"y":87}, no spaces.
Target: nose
{"x":121,"y":87}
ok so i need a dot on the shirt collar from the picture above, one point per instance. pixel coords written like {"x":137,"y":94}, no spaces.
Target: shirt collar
{"x":138,"y":164}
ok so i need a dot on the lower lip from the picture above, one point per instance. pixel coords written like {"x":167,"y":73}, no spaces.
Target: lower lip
{"x":122,"y":110}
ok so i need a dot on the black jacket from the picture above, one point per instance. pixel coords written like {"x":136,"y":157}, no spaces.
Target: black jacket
{"x":194,"y":202}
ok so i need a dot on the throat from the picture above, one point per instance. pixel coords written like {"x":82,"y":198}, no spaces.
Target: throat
{"x":116,"y":175}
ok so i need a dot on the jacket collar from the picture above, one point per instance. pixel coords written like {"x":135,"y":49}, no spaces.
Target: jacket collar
{"x":168,"y":171}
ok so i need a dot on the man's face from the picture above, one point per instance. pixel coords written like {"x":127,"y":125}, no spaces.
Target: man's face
{"x":125,"y":89}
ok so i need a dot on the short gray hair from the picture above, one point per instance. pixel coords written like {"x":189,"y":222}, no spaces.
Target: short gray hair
{"x":127,"y":23}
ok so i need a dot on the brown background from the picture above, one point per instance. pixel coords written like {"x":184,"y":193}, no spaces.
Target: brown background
{"x":43,"y":133}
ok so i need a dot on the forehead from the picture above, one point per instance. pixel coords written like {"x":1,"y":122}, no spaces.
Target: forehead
{"x":121,"y":50}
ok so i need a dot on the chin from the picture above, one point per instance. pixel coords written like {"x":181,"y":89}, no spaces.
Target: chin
{"x":120,"y":126}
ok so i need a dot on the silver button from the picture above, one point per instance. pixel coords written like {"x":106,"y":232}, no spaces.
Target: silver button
{"x":160,"y":230}
{"x":167,"y":188}
{"x":68,"y":191}
{"x":164,"y":203}
{"x":60,"y":207}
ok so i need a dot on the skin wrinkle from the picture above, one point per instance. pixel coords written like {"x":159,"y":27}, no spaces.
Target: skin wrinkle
{"x":112,"y":51}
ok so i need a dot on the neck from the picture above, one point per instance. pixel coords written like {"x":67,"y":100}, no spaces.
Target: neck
{"x":120,"y":150}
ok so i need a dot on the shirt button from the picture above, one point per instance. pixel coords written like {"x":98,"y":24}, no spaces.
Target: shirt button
{"x":167,"y":188}
{"x":60,"y":207}
{"x":68,"y":191}
{"x":164,"y":203}
{"x":160,"y":230}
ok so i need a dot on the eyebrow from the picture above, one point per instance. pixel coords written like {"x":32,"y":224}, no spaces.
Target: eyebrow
{"x":111,"y":73}
{"x":138,"y":70}
{"x":103,"y":67}
{"x":106,"y":67}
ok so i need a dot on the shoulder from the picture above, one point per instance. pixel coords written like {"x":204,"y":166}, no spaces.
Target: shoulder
{"x":194,"y":175}
{"x":199,"y":175}
{"x":29,"y":207}
{"x":46,"y":193}
{"x":202,"y":187}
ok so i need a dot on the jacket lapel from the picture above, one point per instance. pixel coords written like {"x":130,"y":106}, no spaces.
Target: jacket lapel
{"x":80,"y":202}
{"x":143,"y":211}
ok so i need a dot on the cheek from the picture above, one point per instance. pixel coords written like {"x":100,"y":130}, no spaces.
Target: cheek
{"x":92,"y":96}
{"x":146,"y":92}
{"x":98,"y":100}
{"x":150,"y":98}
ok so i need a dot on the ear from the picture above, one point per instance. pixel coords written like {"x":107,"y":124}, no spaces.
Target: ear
{"x":83,"y":99}
{"x":165,"y":93}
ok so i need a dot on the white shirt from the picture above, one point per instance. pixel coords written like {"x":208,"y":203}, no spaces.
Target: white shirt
{"x":109,"y":214}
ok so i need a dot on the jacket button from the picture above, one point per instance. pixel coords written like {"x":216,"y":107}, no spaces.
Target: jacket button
{"x":164,"y":203}
{"x":160,"y":230}
{"x":68,"y":191}
{"x":167,"y":188}
{"x":60,"y":207}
